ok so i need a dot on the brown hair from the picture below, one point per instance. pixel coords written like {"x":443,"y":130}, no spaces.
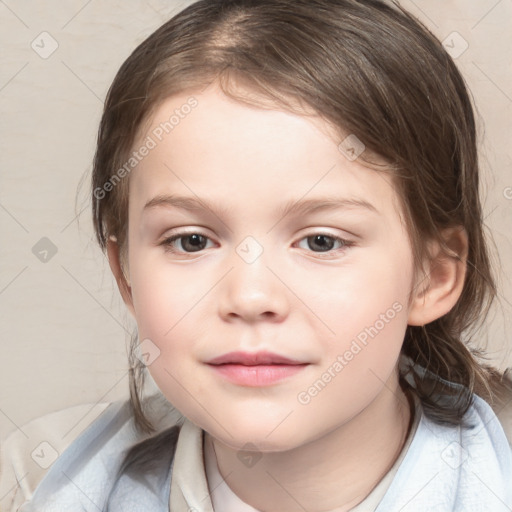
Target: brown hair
{"x":370,"y":69}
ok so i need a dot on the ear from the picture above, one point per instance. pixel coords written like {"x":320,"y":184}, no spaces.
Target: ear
{"x":436,"y":294}
{"x":114,"y":260}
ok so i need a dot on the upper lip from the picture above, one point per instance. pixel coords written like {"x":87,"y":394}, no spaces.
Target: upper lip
{"x":253,"y":359}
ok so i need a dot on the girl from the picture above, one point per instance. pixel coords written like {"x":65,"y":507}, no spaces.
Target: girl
{"x":288,"y":196}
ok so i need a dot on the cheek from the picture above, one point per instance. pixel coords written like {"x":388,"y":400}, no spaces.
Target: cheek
{"x":169,"y":302}
{"x":161,"y":297}
{"x":369,"y":318}
{"x":372,"y":289}
{"x":366,"y":307}
{"x":164,"y":308}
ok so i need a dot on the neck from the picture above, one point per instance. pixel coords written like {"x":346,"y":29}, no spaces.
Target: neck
{"x":337,"y":471}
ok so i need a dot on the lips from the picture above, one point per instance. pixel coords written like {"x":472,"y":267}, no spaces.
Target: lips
{"x":255,"y":369}
{"x":253,"y":359}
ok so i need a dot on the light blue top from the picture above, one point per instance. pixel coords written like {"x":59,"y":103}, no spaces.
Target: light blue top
{"x":445,"y":469}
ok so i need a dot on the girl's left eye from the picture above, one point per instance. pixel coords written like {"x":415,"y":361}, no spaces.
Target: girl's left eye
{"x":326,"y":242}
{"x":194,"y":242}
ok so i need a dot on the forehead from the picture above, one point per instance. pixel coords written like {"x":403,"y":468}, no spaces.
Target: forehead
{"x":212,"y":146}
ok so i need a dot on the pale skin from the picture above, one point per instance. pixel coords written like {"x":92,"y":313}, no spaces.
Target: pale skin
{"x":293,"y":299}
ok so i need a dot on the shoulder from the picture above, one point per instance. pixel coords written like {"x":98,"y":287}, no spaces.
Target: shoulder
{"x":448,"y":467}
{"x":502,"y":405}
{"x":27,"y":454}
{"x":43,"y":460}
{"x":498,"y":410}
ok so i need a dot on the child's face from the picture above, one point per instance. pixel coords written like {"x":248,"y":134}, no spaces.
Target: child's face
{"x":259,"y":281}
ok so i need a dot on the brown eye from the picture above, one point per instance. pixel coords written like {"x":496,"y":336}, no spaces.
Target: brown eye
{"x":322,"y":242}
{"x":189,"y":242}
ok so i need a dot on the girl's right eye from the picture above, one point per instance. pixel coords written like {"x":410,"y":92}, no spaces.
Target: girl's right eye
{"x":191,"y":242}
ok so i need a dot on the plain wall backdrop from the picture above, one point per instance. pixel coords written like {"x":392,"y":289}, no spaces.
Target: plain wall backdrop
{"x":63,"y":326}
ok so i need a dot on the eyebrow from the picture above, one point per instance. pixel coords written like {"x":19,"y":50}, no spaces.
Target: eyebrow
{"x":292,"y":207}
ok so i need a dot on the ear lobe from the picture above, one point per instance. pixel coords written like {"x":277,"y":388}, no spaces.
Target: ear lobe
{"x":438,"y":292}
{"x":114,"y":260}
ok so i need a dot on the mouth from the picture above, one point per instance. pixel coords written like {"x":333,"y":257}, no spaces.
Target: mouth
{"x":253,"y":359}
{"x":255,"y":369}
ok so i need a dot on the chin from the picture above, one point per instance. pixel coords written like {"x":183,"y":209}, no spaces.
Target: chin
{"x":254,"y":437}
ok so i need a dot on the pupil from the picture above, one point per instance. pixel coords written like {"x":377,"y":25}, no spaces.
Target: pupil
{"x":320,"y":240}
{"x":194,"y":240}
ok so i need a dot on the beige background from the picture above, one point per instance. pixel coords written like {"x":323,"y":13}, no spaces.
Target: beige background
{"x":63,"y":326}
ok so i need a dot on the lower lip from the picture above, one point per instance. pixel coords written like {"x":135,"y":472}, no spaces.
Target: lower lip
{"x":257,"y":375}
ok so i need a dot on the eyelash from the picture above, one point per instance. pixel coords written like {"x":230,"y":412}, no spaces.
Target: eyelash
{"x":167,"y":243}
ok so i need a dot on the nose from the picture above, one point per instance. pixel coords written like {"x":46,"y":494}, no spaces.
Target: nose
{"x":253,"y":291}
